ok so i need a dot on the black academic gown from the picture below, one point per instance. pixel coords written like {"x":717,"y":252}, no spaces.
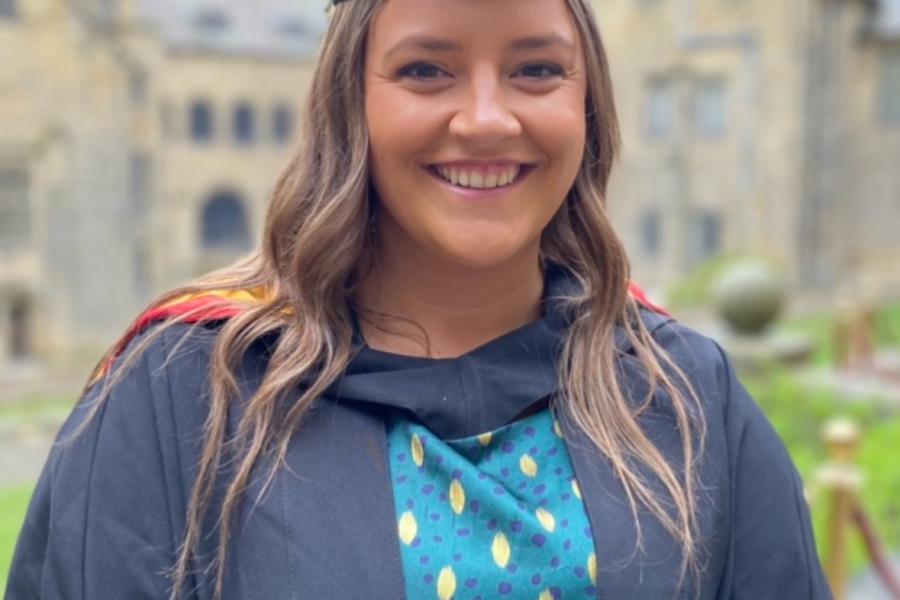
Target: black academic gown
{"x":109,"y":509}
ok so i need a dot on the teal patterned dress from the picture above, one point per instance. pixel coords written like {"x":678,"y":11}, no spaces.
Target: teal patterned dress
{"x":496,"y":515}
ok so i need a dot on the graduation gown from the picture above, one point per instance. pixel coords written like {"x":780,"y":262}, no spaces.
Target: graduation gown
{"x":109,"y":510}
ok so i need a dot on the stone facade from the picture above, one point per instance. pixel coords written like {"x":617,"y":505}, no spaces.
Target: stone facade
{"x":759,"y":126}
{"x":140,"y":141}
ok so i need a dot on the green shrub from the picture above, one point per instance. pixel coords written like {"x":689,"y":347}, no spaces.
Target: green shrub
{"x":799,"y":413}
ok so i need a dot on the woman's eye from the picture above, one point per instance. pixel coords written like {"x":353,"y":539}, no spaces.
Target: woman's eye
{"x":426,"y":71}
{"x":541,"y":71}
{"x":421,"y":71}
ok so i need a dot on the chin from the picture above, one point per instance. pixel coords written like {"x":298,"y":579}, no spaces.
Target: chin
{"x":479,"y":255}
{"x":479,"y":262}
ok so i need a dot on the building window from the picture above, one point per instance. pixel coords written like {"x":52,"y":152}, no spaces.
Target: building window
{"x":166,"y":120}
{"x":140,"y":183}
{"x":137,"y":86}
{"x":294,"y":26}
{"x":889,"y":88}
{"x":8,"y":9}
{"x":211,"y":20}
{"x":141,"y":269}
{"x":888,"y":17}
{"x":707,"y":235}
{"x":15,"y":217}
{"x":224,"y":223}
{"x":710,"y":108}
{"x":244,"y":124}
{"x":202,"y":126}
{"x":282,"y":123}
{"x":651,"y":233}
{"x":659,"y":115}
{"x":20,"y":323}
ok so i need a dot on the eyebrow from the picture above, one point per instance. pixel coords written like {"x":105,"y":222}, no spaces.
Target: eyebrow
{"x":424,"y":42}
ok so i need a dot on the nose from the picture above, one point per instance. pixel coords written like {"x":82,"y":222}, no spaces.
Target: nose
{"x":485,"y":117}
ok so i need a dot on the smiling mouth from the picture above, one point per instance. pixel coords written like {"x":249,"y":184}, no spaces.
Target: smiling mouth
{"x":481,"y":179}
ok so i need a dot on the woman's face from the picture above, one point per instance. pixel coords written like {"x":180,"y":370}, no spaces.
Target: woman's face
{"x":476,"y":120}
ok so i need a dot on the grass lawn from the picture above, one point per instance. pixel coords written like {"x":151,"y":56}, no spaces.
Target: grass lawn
{"x":13,"y":502}
{"x":31,"y":409}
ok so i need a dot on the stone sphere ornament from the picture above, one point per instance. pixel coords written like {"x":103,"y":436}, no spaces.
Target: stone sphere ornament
{"x":749,"y":296}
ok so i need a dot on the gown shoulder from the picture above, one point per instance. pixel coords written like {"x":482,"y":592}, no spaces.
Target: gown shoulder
{"x":765,"y":548}
{"x":108,"y":510}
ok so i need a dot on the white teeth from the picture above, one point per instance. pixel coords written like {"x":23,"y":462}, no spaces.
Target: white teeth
{"x":477,"y":179}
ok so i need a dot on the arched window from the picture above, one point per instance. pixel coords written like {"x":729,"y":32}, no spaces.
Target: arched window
{"x":282,"y":123}
{"x":202,"y":126}
{"x":8,"y":9}
{"x":244,"y":124}
{"x":224,"y":223}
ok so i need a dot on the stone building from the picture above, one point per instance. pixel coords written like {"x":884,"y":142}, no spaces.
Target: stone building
{"x":139,"y":140}
{"x":759,"y":126}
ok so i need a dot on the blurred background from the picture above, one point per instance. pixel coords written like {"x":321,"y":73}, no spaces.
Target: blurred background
{"x":758,"y":194}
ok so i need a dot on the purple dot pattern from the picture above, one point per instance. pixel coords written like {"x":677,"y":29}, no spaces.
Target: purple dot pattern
{"x":467,"y":494}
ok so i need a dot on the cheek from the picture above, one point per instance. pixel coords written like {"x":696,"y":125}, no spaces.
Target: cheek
{"x":381,"y":125}
{"x":560,"y":132}
{"x":399,"y":129}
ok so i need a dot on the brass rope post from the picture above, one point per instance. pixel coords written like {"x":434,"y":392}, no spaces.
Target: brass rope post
{"x":840,"y":481}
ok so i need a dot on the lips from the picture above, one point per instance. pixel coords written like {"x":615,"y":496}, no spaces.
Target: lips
{"x":480,"y":176}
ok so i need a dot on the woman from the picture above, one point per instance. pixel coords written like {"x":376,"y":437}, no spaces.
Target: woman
{"x":431,"y":381}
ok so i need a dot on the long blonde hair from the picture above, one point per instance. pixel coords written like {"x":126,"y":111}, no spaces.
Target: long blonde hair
{"x":312,"y":257}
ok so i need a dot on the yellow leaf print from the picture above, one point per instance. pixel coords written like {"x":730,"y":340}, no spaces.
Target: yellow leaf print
{"x":446,"y":584}
{"x":546,"y":595}
{"x":576,"y":489}
{"x":546,"y":519}
{"x":485,"y":438}
{"x":528,"y":466}
{"x":592,"y":567}
{"x":556,"y":428}
{"x":417,"y":450}
{"x":407,"y":528}
{"x":457,"y":496}
{"x":501,"y":550}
